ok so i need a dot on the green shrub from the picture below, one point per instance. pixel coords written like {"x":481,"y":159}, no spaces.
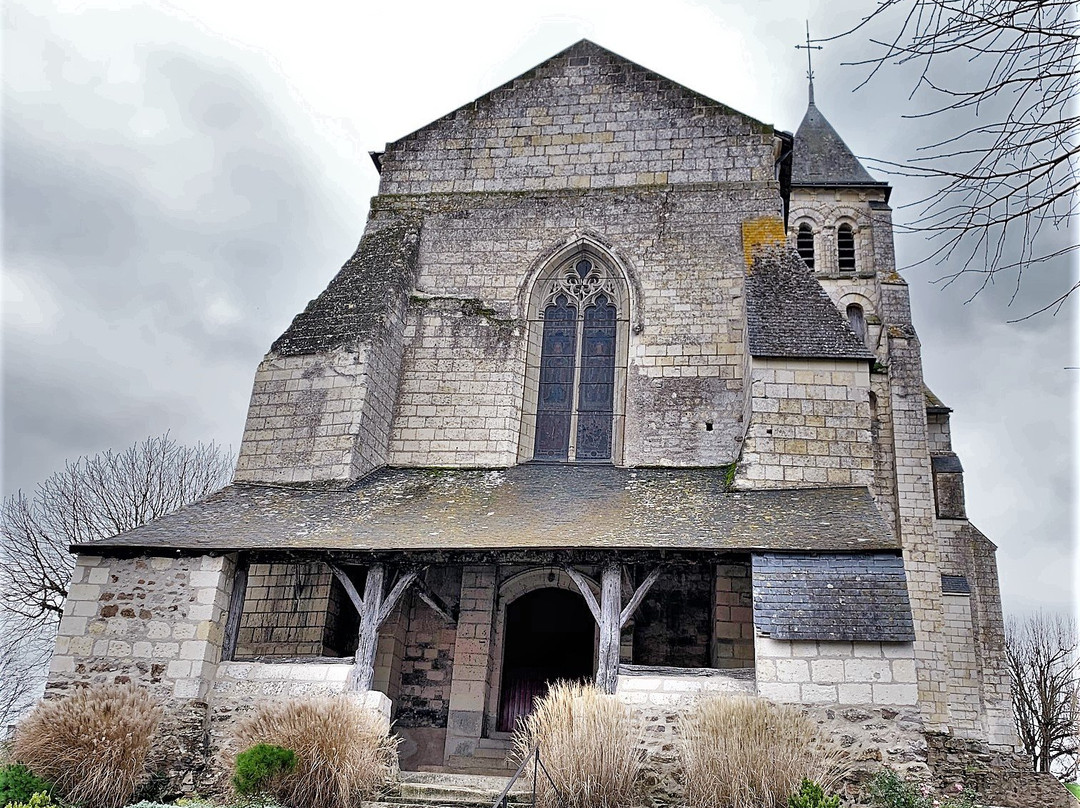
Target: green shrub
{"x":39,"y":800}
{"x":258,"y":766}
{"x":889,"y":790}
{"x":18,"y":784}
{"x":811,"y":795}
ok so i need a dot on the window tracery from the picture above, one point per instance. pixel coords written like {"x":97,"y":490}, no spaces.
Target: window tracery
{"x":578,"y":312}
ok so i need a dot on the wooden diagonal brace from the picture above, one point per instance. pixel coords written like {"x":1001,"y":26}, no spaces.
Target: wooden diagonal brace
{"x":586,"y":592}
{"x":349,"y":587}
{"x":403,"y":583}
{"x":638,"y":596}
{"x":437,"y":604}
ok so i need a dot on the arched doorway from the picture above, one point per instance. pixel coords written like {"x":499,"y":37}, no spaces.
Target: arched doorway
{"x":549,"y":635}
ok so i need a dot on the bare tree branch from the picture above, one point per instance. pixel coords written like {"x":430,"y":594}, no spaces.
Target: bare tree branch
{"x":1012,"y":63}
{"x":93,"y":498}
{"x":1041,"y":652}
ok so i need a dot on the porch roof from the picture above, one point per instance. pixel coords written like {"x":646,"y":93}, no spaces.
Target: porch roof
{"x":527,"y":507}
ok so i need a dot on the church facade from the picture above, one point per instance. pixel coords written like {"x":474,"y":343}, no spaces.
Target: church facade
{"x":620,"y":384}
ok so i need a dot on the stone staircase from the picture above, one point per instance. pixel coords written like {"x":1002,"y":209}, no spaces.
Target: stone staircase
{"x":441,"y":790}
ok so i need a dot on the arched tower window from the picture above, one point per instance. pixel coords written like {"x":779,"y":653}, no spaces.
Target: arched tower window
{"x":579,"y":334}
{"x":857,"y":320}
{"x":845,"y":248}
{"x":804,"y":243}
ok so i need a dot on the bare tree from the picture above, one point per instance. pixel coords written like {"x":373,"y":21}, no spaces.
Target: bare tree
{"x":92,"y":498}
{"x":1042,"y":654}
{"x":1009,"y":180}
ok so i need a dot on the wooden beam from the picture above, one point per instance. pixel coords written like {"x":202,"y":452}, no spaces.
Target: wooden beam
{"x":586,"y":591}
{"x":607,"y":667}
{"x":236,"y":608}
{"x":437,"y":604}
{"x":403,"y":583}
{"x":638,"y":596}
{"x":363,"y":672}
{"x":349,"y":587}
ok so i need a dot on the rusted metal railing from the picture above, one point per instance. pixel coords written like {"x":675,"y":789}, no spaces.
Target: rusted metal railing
{"x":538,"y":766}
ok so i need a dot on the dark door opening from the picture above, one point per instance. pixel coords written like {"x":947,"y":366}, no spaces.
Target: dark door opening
{"x":549,"y":636}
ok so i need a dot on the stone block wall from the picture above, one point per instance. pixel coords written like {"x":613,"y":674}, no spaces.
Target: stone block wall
{"x":154,"y":621}
{"x":286,"y":611}
{"x":464,"y":375}
{"x":810,"y":424}
{"x":427,"y":667}
{"x":674,"y":623}
{"x":825,"y":210}
{"x":836,"y":672}
{"x":733,"y":613}
{"x":583,"y":119}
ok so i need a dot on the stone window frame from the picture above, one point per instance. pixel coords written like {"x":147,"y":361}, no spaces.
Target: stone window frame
{"x":516,"y":585}
{"x":870,"y":317}
{"x":536,"y":299}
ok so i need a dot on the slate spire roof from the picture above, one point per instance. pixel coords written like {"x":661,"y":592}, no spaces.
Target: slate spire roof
{"x":821,"y":157}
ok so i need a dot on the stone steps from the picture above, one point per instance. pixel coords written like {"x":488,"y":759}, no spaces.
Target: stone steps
{"x":444,"y":790}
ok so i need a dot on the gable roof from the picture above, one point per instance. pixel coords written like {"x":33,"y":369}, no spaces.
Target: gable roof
{"x":584,"y":49}
{"x":789,"y":314}
{"x":821,"y":157}
{"x":532,"y":506}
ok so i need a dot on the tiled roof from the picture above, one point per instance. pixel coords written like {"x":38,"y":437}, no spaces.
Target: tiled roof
{"x":933,"y":403}
{"x":355,"y":303}
{"x":821,"y":157}
{"x":789,"y":314}
{"x":948,"y":463}
{"x":528,"y":507}
{"x":842,"y":596}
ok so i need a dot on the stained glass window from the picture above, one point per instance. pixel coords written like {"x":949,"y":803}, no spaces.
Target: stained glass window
{"x":575,"y":407}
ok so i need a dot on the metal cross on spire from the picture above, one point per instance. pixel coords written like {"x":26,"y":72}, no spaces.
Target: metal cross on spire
{"x":809,"y":64}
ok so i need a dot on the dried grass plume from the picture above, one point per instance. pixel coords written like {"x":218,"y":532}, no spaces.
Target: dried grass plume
{"x":92,"y":744}
{"x":742,"y":752}
{"x":344,"y":752}
{"x":590,"y":745}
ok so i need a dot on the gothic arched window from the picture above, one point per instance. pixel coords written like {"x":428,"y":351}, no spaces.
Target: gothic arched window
{"x":580,"y":317}
{"x":845,"y":248}
{"x":804,"y":243}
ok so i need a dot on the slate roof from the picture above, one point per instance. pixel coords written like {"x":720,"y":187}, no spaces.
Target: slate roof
{"x":789,"y":314}
{"x":820,"y":156}
{"x":531,"y":506}
{"x":948,"y":463}
{"x":840,"y":596}
{"x":955,"y":585}
{"x":357,"y":300}
{"x":933,"y":403}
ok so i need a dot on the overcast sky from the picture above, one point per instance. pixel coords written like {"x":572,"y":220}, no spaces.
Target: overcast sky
{"x":179,"y":180}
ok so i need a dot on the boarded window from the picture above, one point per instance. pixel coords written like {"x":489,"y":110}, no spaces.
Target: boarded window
{"x":857,"y":320}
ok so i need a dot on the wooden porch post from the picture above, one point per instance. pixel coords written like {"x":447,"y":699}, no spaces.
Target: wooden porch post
{"x":236,"y":608}
{"x":607,"y":668}
{"x":363,"y":672}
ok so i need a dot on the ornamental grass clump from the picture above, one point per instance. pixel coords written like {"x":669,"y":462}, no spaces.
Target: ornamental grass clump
{"x":92,"y":744}
{"x":742,"y":752}
{"x":591,"y":747}
{"x":344,"y":752}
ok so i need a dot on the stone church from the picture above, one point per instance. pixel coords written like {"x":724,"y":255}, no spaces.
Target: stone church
{"x":620,"y":384}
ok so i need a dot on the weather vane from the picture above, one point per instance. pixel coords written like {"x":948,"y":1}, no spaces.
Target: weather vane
{"x":809,"y":65}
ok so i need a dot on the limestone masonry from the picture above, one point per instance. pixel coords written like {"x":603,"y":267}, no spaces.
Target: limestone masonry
{"x":620,"y":384}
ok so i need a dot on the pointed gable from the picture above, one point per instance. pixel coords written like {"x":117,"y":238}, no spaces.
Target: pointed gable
{"x":585,"y":118}
{"x":822,"y":158}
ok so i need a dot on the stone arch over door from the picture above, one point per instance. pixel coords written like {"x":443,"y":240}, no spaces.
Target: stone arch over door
{"x":513,"y":589}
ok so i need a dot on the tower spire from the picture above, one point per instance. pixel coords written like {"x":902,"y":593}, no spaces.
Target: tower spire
{"x":809,"y":64}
